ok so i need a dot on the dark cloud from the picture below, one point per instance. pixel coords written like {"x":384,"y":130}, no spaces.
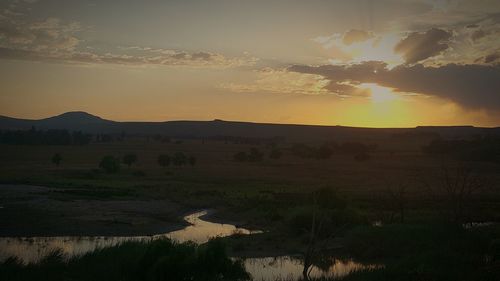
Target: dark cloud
{"x":418,"y":46}
{"x":493,"y":58}
{"x":355,"y":35}
{"x":474,"y":86}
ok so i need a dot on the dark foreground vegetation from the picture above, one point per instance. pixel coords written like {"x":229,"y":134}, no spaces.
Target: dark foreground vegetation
{"x":426,"y":252}
{"x":133,"y":261}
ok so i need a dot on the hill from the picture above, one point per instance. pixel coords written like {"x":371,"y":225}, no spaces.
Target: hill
{"x":82,"y":121}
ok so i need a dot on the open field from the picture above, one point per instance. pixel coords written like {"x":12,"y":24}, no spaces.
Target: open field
{"x":217,"y":181}
{"x":274,"y":195}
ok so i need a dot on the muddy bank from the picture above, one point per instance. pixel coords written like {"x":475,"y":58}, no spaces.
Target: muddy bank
{"x":43,"y":211}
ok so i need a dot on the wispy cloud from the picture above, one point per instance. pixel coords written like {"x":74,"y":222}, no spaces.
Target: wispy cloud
{"x":55,"y":40}
{"x":281,"y":81}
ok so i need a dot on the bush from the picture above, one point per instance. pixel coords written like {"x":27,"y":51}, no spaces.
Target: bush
{"x":179,"y":159}
{"x":255,"y":155}
{"x":164,"y":160}
{"x":110,"y":164}
{"x":192,"y":160}
{"x":129,"y":159}
{"x":56,"y":159}
{"x":240,"y":156}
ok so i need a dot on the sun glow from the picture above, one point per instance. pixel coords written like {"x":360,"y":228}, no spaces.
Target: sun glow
{"x":379,"y":94}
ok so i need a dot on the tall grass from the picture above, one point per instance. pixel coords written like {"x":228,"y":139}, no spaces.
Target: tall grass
{"x":133,"y":261}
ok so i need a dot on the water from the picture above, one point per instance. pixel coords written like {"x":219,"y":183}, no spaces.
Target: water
{"x":290,"y":268}
{"x":32,"y":249}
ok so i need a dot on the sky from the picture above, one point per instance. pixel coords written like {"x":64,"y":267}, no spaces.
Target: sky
{"x":369,"y":63}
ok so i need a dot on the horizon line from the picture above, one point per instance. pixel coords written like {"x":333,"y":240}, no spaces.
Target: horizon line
{"x":239,"y":121}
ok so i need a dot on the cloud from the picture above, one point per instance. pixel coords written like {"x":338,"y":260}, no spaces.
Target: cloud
{"x":57,"y":41}
{"x":170,"y":58}
{"x":281,"y":81}
{"x":493,"y":58}
{"x":355,"y":35}
{"x":418,"y":46}
{"x":356,"y":46}
{"x":472,"y":86}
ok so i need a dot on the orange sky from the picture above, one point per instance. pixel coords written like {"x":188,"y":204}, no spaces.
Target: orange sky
{"x":355,"y":63}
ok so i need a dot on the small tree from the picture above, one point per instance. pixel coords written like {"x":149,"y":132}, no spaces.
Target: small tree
{"x":164,"y":160}
{"x":192,"y":161}
{"x":129,"y":159}
{"x":179,"y":159}
{"x":460,"y":189}
{"x":324,"y":225}
{"x":110,"y":164}
{"x":56,"y":159}
{"x":240,"y":156}
{"x":397,"y":202}
{"x":255,"y":155}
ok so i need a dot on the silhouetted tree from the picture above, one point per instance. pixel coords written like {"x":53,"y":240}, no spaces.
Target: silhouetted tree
{"x":39,"y":137}
{"x":110,"y":164}
{"x":56,"y":159}
{"x":164,"y":160}
{"x":240,"y":156}
{"x":129,"y":159}
{"x":179,"y":159}
{"x":302,"y":150}
{"x":324,"y":225}
{"x":396,"y":201}
{"x":192,"y":161}
{"x":458,"y":188}
{"x":255,"y":155}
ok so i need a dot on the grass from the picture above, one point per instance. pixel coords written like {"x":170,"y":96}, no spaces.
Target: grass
{"x":133,"y":261}
{"x":425,"y":252}
{"x":274,"y":195}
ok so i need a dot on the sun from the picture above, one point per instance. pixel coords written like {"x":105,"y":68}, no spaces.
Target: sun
{"x":379,"y":94}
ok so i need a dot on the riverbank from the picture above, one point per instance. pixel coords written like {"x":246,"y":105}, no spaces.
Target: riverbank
{"x":29,"y":211}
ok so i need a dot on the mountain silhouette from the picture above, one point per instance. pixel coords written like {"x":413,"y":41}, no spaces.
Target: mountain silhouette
{"x":82,"y":121}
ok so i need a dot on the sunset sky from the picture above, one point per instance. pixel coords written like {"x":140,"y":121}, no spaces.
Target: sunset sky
{"x":375,"y":63}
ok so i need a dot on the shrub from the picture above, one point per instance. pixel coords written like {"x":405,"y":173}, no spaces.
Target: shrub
{"x":164,"y":160}
{"x":179,"y":159}
{"x":192,"y":160}
{"x":110,"y":164}
{"x":56,"y":159}
{"x":129,"y":159}
{"x":255,"y":155}
{"x":240,"y":156}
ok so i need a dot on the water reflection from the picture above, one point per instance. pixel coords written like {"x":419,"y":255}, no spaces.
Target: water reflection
{"x":290,"y":268}
{"x":32,"y":249}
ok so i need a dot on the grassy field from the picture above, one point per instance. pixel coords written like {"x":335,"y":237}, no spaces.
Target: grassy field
{"x":275,"y":195}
